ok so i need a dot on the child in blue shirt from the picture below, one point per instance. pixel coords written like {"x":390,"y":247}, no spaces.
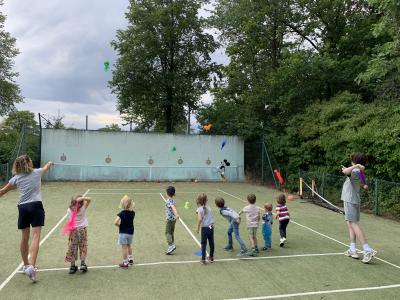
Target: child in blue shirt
{"x":267,"y":218}
{"x":234,"y":220}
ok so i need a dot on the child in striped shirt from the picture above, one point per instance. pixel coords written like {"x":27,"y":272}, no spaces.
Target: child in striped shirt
{"x":283,"y":216}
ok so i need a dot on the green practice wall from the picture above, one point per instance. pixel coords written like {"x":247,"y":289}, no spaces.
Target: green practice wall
{"x":123,"y":156}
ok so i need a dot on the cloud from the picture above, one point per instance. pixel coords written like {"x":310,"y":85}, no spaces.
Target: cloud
{"x":63,"y":46}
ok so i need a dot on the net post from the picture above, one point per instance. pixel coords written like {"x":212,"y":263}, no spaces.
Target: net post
{"x":312,"y":187}
{"x":376,"y":197}
{"x":301,"y":187}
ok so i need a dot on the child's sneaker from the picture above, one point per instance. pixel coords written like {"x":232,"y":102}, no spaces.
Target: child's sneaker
{"x":242,"y":252}
{"x":368,"y":255}
{"x":352,"y":254}
{"x":124,"y":265}
{"x":31,"y":272}
{"x":282,"y":242}
{"x":210,"y":259}
{"x":83,"y":268}
{"x":131,"y":262}
{"x":73,"y":269}
{"x":228,"y":248}
{"x":26,"y":267}
{"x":265,"y":248}
{"x":251,"y":253}
{"x":202,"y":262}
{"x":170,"y":249}
{"x":256,"y":250}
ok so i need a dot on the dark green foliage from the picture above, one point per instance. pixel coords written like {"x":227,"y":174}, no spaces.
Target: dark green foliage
{"x":317,"y":79}
{"x":19,"y":134}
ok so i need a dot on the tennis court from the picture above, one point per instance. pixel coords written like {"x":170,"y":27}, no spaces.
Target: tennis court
{"x":310,"y":266}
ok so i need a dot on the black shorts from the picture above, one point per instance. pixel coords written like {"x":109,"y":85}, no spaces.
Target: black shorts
{"x":30,"y":214}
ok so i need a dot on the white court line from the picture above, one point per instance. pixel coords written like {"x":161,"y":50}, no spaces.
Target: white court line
{"x":140,"y":193}
{"x":158,"y":190}
{"x":196,"y":261}
{"x":5,"y":282}
{"x":184,"y":225}
{"x":319,"y":233}
{"x":322,"y":292}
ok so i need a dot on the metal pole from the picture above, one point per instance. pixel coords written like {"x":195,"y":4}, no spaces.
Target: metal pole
{"x":270,"y":165}
{"x":188,"y":121}
{"x":376,"y":197}
{"x":87,"y":122}
{"x":262,"y":163}
{"x":40,"y":139}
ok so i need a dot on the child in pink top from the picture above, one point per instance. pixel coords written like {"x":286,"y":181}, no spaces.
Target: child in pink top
{"x":78,"y":234}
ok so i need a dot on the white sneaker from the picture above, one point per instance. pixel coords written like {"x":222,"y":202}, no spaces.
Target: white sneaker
{"x":282,"y":242}
{"x":368,"y":255}
{"x":170,"y":249}
{"x":352,"y":254}
{"x":26,"y":267}
{"x":31,"y":272}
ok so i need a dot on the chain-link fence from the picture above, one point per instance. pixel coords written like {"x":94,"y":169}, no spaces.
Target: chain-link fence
{"x":259,"y":164}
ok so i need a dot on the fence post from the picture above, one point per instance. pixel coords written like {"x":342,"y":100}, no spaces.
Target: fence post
{"x":323,"y":185}
{"x":376,"y":197}
{"x":262,"y":163}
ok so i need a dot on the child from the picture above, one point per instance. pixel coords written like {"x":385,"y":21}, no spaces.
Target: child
{"x":234,"y":221}
{"x":252,"y":219}
{"x":221,"y":170}
{"x":30,"y":208}
{"x":351,"y":198}
{"x":78,"y":235}
{"x":205,"y":219}
{"x":124,"y":221}
{"x":267,"y":224}
{"x":282,"y":214}
{"x":171,"y":215}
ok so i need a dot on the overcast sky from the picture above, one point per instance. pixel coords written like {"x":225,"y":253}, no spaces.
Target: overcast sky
{"x":63,"y":46}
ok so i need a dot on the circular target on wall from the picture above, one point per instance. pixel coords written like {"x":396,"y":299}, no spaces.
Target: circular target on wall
{"x":150,"y":161}
{"x":180,"y":161}
{"x":208,"y":161}
{"x":63,"y":157}
{"x":108,"y":159}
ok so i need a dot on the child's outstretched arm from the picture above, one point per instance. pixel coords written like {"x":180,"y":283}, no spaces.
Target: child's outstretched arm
{"x":347,"y":171}
{"x":6,"y":189}
{"x":117,"y":221}
{"x":47,"y":166}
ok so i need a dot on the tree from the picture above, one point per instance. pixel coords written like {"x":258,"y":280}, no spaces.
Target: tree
{"x":18,"y":119}
{"x":14,"y":141}
{"x":9,"y":90}
{"x":384,"y":67}
{"x":164,"y":63}
{"x":55,"y":122}
{"x":111,"y":127}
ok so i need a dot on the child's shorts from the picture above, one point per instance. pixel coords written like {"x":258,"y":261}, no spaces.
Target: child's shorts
{"x":252,"y":231}
{"x":125,"y":239}
{"x":351,"y":212}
